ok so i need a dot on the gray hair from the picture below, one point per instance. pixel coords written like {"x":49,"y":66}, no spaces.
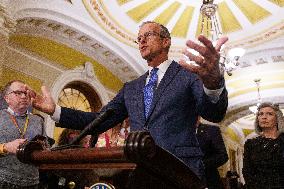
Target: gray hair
{"x":164,"y":31}
{"x":6,"y":88}
{"x":279,"y":117}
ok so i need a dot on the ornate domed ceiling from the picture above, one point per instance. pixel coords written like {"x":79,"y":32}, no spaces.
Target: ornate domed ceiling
{"x":240,"y":20}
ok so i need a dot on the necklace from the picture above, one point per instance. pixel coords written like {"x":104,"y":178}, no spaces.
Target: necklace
{"x":22,"y":132}
{"x":269,"y":142}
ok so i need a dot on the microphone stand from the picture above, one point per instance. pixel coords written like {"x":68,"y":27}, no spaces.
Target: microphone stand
{"x":89,"y":128}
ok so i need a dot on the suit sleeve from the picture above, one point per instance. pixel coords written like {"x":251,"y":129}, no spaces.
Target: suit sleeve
{"x":220,"y":156}
{"x":248,"y":168}
{"x":75,"y":119}
{"x":213,"y":112}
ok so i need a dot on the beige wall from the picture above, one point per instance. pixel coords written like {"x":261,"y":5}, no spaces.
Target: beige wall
{"x":18,"y":65}
{"x":2,"y":52}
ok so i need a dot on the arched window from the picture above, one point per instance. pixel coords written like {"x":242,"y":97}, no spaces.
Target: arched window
{"x":79,"y":96}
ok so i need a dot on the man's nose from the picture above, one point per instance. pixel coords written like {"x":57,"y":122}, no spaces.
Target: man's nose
{"x":23,"y":95}
{"x":143,"y":39}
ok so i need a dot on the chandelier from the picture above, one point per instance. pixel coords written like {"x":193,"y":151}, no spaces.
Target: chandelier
{"x":254,"y":108}
{"x":211,"y":29}
{"x":209,"y":24}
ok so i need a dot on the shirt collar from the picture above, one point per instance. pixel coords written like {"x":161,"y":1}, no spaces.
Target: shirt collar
{"x":14,"y":113}
{"x":162,"y":67}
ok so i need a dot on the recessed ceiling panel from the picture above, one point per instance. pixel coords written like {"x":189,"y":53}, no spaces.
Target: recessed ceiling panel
{"x":229,"y":22}
{"x":251,"y":10}
{"x":141,"y":11}
{"x":182,"y":25}
{"x":167,"y":14}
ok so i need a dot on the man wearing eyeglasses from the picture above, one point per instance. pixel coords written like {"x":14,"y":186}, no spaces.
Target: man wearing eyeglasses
{"x":166,"y":100}
{"x":17,"y":125}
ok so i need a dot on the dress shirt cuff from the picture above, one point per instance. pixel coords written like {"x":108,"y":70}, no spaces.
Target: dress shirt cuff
{"x":213,"y":95}
{"x":56,"y":115}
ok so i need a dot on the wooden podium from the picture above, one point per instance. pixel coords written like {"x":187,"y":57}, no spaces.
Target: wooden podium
{"x":139,"y":153}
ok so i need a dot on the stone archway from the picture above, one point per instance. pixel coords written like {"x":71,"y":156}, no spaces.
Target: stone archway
{"x":83,"y":74}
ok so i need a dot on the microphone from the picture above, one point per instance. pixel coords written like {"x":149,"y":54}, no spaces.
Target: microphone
{"x":91,"y":126}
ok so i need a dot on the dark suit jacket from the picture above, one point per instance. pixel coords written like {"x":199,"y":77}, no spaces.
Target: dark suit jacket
{"x":177,"y":102}
{"x":215,"y":154}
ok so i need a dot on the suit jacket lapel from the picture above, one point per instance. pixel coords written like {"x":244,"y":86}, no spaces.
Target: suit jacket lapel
{"x":168,"y":77}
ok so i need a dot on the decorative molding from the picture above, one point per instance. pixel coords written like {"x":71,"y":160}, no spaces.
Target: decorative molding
{"x":76,"y":39}
{"x":7,"y":22}
{"x":262,"y":37}
{"x":263,"y":56}
{"x":88,"y":71}
{"x":96,"y":10}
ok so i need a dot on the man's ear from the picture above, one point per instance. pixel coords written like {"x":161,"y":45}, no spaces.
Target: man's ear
{"x":167,"y":43}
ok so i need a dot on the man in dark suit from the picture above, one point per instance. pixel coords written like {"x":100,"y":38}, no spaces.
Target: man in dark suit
{"x":166,"y":100}
{"x":215,"y":154}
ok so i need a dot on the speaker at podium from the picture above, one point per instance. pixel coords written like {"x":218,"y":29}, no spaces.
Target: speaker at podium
{"x":140,"y":163}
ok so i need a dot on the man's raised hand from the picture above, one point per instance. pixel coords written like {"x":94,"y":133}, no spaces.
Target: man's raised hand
{"x":207,"y":61}
{"x":44,"y":102}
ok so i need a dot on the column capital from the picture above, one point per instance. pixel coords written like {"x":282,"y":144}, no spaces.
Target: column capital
{"x":7,"y":21}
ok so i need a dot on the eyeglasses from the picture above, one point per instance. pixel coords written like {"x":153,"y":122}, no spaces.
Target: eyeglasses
{"x":147,"y":35}
{"x":19,"y":93}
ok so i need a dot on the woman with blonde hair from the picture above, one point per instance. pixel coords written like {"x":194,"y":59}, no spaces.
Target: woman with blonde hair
{"x":263,"y":155}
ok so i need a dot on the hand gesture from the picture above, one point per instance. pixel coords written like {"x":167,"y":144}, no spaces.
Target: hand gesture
{"x":207,"y":60}
{"x":44,"y":102}
{"x":11,"y":147}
